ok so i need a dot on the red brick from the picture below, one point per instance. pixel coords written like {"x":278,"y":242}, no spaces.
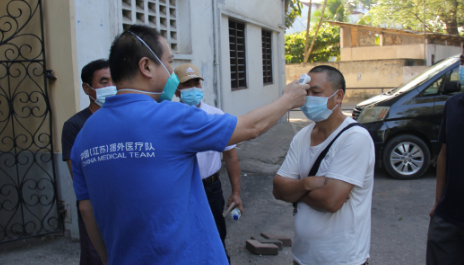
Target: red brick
{"x":276,"y":242}
{"x":254,"y":246}
{"x":287,"y":242}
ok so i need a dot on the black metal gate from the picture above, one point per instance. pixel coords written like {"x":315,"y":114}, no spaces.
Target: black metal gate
{"x":28,"y":203}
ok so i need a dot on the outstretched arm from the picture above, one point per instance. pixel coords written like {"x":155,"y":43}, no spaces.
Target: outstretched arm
{"x":258,"y":121}
{"x":86,"y":209}
{"x":233,"y":170}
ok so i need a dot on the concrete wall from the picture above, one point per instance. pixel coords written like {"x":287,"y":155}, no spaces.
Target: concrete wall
{"x":365,"y":78}
{"x":413,"y":51}
{"x":256,"y":16}
{"x":93,"y":36}
{"x":411,"y":72}
{"x":441,"y":52}
{"x":61,"y":56}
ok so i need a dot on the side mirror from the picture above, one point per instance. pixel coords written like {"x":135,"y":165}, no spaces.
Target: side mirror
{"x":452,"y":87}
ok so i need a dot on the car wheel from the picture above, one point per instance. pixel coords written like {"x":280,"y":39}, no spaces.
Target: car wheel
{"x":406,"y":157}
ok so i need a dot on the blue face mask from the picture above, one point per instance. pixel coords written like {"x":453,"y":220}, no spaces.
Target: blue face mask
{"x":191,"y":96}
{"x":171,"y":85}
{"x":461,"y":73}
{"x":315,"y":108}
{"x":103,"y":93}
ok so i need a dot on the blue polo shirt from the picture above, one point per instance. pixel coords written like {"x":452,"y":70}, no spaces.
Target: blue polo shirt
{"x":135,"y":159}
{"x":451,"y":205}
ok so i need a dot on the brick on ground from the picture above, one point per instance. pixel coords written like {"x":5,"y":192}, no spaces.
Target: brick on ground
{"x":254,"y":246}
{"x":262,"y":240}
{"x":287,"y":242}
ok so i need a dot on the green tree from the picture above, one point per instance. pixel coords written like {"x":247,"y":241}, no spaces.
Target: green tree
{"x":292,"y":11}
{"x":326,"y":45}
{"x":440,"y":16}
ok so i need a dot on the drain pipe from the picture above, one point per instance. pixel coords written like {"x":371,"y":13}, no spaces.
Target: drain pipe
{"x":217,"y":67}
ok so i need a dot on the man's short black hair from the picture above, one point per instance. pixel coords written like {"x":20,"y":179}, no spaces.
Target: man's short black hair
{"x":126,"y":51}
{"x":334,"y":76}
{"x":89,"y":70}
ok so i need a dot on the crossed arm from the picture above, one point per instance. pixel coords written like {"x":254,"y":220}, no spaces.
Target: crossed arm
{"x":320,"y":193}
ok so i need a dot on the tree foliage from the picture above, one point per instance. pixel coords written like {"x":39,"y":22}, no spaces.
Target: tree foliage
{"x":444,"y":16}
{"x":292,"y":11}
{"x":326,"y":46}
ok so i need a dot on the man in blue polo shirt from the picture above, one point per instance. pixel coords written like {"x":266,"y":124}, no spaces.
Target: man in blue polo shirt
{"x":445,"y":241}
{"x":134,"y":162}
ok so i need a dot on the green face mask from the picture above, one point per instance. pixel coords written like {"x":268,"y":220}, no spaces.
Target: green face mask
{"x":172,"y":83}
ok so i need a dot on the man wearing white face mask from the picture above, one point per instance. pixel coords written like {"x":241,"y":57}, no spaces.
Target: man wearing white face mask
{"x":329,"y":174}
{"x":97,"y":84}
{"x":190,"y":92}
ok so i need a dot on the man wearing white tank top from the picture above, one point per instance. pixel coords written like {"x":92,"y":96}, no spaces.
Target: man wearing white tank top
{"x":333,"y":220}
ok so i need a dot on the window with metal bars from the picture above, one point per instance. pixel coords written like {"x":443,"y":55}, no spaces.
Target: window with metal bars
{"x":237,"y":55}
{"x":266,"y":38}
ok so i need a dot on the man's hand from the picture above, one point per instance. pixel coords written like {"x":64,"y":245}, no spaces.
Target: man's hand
{"x":314,"y":183}
{"x":296,"y":93}
{"x":235,"y":197}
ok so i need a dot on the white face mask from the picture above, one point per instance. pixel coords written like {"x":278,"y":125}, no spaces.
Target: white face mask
{"x":103,"y":93}
{"x":315,"y":108}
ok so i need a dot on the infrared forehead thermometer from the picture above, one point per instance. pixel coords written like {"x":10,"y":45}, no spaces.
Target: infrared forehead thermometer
{"x":304,"y":79}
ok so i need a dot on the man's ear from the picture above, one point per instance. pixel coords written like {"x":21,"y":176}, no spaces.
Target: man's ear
{"x":145,"y":67}
{"x":86,"y":88}
{"x":340,"y":95}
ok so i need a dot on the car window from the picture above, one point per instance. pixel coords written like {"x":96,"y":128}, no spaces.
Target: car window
{"x":455,"y":77}
{"x":433,"y":88}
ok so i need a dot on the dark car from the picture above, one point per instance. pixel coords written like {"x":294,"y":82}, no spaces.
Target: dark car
{"x":404,"y":122}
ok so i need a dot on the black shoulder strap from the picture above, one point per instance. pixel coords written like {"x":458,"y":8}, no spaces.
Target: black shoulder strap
{"x":321,"y":156}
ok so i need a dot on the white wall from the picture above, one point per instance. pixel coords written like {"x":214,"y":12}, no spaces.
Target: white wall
{"x":197,"y":25}
{"x":256,"y":16}
{"x":93,"y":35}
{"x":441,"y":52}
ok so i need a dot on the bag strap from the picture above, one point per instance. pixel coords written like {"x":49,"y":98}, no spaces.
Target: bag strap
{"x":321,"y":156}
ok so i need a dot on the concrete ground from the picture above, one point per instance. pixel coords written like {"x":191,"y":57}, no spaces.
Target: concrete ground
{"x":399,"y":213}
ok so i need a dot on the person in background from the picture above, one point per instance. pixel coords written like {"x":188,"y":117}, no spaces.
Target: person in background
{"x":445,"y":240}
{"x":97,"y":84}
{"x":190,"y":92}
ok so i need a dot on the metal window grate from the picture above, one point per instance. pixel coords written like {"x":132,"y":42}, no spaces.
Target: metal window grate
{"x":158,"y":14}
{"x":266,"y":37}
{"x":237,"y":55}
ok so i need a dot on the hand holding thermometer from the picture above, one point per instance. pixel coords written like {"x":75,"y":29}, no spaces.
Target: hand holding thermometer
{"x":304,"y":79}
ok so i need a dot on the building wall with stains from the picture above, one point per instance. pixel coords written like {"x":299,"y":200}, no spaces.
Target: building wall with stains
{"x":371,"y":77}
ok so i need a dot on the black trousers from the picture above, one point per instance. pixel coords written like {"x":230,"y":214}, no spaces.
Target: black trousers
{"x":445,"y":243}
{"x":89,"y":255}
{"x":217,"y":203}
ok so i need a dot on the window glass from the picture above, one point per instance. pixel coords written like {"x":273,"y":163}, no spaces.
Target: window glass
{"x":433,"y":88}
{"x":455,"y":77}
